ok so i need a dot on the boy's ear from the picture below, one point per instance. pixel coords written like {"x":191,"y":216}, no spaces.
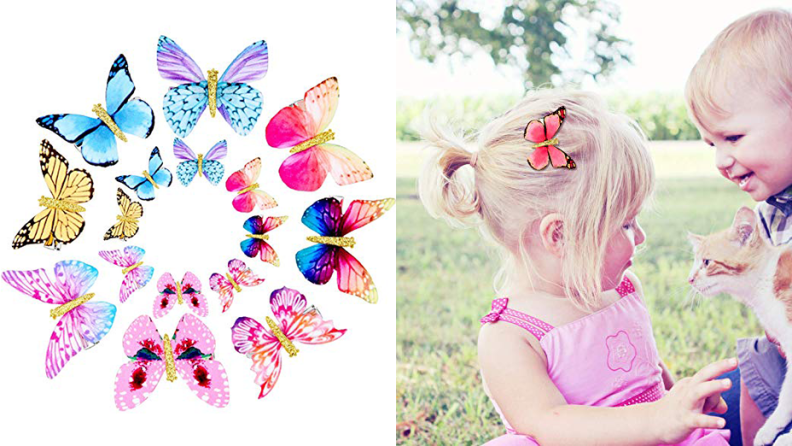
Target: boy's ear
{"x":551,"y":231}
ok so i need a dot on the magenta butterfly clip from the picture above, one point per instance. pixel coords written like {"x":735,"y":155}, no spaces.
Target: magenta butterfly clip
{"x":187,"y":290}
{"x":82,"y":324}
{"x":238,"y":274}
{"x":190,"y":353}
{"x":542,"y":133}
{"x":294,"y":322}
{"x":136,"y":276}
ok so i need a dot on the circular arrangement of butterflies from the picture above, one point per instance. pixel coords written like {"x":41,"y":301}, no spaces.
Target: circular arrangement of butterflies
{"x":302,"y":127}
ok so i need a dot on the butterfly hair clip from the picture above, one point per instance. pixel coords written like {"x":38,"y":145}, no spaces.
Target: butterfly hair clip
{"x":542,"y":133}
{"x":249,"y":196}
{"x":60,"y":222}
{"x":318,"y":262}
{"x":83,"y":323}
{"x":302,"y":126}
{"x":136,"y":275}
{"x":190,"y":353}
{"x":156,"y":175}
{"x":96,"y":137}
{"x":208,"y":166}
{"x":238,"y":275}
{"x":172,"y":292}
{"x":237,"y":102}
{"x":255,"y":242}
{"x":294,"y":322}
{"x":127,"y":225}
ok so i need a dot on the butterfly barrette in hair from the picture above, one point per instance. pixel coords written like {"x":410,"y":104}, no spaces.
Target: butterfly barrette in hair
{"x":542,"y":133}
{"x":96,"y":137}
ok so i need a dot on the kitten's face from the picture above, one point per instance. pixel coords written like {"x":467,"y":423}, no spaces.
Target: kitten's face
{"x":725,"y":258}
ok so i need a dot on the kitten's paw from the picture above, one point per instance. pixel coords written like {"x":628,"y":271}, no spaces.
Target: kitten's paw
{"x":767,"y":434}
{"x":784,"y":440}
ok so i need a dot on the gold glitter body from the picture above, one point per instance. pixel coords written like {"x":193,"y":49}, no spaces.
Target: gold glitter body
{"x":211,"y":89}
{"x":63,"y":205}
{"x":151,"y":180}
{"x":68,"y":306}
{"x":178,"y":292}
{"x":345,"y":242}
{"x":200,"y":164}
{"x":315,"y":141}
{"x":131,"y":267}
{"x":285,"y":342}
{"x":126,"y":219}
{"x":258,"y":236}
{"x":170,"y":364}
{"x":101,"y":113}
{"x":233,"y":282}
{"x":248,"y":189}
{"x":549,"y":142}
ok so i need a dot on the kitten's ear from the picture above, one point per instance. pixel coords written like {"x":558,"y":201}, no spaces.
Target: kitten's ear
{"x":744,"y":224}
{"x":695,"y":240}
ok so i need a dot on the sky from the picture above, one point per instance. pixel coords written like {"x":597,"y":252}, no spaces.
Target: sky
{"x":667,"y":38}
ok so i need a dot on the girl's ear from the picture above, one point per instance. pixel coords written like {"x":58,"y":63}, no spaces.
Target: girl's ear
{"x":551,"y":231}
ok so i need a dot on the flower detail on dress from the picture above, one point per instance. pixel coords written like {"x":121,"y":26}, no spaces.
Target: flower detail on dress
{"x":621,"y":351}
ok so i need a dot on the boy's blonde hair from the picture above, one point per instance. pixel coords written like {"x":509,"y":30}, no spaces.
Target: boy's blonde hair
{"x":756,"y":50}
{"x":504,"y":196}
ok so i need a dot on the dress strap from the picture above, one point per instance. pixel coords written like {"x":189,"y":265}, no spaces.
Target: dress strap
{"x":501,"y":312}
{"x":625,"y":287}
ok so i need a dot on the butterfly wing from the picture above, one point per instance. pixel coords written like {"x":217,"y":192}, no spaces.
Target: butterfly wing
{"x":362,"y":212}
{"x":325,"y":216}
{"x":317,"y":263}
{"x":96,"y":142}
{"x":191,"y":292}
{"x":244,"y":177}
{"x":65,"y":342}
{"x":183,"y":105}
{"x":250,"y":65}
{"x":166,"y":300}
{"x":250,"y":200}
{"x":252,"y":339}
{"x":251,"y":247}
{"x":553,"y":122}
{"x":72,"y":280}
{"x":130,"y":209}
{"x":221,"y":285}
{"x":299,"y":323}
{"x":539,"y":158}
{"x":186,"y":171}
{"x":135,"y":280}
{"x":243,"y":275}
{"x":307,"y":170}
{"x":142,"y":187}
{"x":132,"y":116}
{"x":136,"y":380}
{"x":304,"y":119}
{"x":353,"y":278}
{"x":218,"y":151}
{"x":119,"y":85}
{"x":159,"y":173}
{"x":136,"y":118}
{"x":182,"y":151}
{"x":240,"y":105}
{"x":124,"y":257}
{"x":213,"y":171}
{"x":175,"y":64}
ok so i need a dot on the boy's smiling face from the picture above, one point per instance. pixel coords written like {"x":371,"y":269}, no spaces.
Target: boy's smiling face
{"x":753,"y":140}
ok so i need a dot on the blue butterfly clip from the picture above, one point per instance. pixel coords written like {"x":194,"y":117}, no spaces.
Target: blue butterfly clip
{"x":204,"y":165}
{"x":96,"y":137}
{"x":237,"y":102}
{"x":156,"y":175}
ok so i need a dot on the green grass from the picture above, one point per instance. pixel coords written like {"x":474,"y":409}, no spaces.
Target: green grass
{"x":445,"y":285}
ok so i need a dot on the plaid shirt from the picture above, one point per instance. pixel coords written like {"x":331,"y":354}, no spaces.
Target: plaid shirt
{"x":774,"y":214}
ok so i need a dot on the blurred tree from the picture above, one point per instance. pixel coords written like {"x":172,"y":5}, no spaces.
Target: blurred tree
{"x":530,"y":35}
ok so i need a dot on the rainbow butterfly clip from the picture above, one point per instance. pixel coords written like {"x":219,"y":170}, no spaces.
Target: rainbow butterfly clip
{"x":136,"y":275}
{"x":238,"y":274}
{"x":60,"y":222}
{"x":82,"y":323}
{"x":317,"y":263}
{"x":255,"y":243}
{"x":237,"y":102}
{"x":543,"y":134}
{"x":156,"y":175}
{"x":249,"y":196}
{"x":96,"y":137}
{"x":190,"y":353}
{"x":301,"y":126}
{"x":172,"y":292}
{"x":294,"y":322}
{"x":208,"y":166}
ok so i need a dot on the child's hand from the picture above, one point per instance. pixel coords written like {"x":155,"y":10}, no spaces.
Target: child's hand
{"x":683,"y":409}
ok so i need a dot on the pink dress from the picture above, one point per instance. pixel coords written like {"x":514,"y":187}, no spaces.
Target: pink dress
{"x":605,"y":359}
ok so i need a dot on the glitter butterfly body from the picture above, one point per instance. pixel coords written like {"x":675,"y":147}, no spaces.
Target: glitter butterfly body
{"x":237,"y":102}
{"x":238,"y":275}
{"x":207,"y":166}
{"x":301,"y":126}
{"x":127,"y":225}
{"x":188,"y":291}
{"x":156,"y":175}
{"x":317,"y":263}
{"x":294,"y":322}
{"x":543,"y":134}
{"x":83,"y":323}
{"x":60,"y":222}
{"x":190,"y":353}
{"x":136,"y":275}
{"x":96,"y":137}
{"x":255,"y":243}
{"x":249,"y":196}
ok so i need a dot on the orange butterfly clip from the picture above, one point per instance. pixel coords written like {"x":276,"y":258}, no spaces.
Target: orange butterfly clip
{"x":542,"y":133}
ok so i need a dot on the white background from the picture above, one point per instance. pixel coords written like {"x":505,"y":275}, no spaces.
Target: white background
{"x":56,"y":58}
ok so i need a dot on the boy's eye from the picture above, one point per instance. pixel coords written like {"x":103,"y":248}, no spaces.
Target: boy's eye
{"x":733,"y":138}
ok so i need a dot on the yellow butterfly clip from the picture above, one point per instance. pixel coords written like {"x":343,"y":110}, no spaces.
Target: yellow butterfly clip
{"x":60,"y":222}
{"x":127,"y":225}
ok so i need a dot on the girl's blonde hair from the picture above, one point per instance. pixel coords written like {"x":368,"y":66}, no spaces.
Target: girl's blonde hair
{"x":756,"y":50}
{"x":503,"y":195}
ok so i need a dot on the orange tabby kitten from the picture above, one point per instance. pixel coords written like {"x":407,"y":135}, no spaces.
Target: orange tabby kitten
{"x":738,"y":261}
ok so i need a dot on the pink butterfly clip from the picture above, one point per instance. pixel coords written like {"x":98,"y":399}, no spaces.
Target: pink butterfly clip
{"x":293,"y":323}
{"x":238,"y":274}
{"x":136,"y":276}
{"x":301,"y":126}
{"x":543,"y":134}
{"x":249,"y":196}
{"x":171,"y":292}
{"x":190,"y":352}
